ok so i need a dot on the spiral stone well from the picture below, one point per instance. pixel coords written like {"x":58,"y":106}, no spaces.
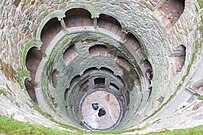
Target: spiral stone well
{"x":132,"y":66}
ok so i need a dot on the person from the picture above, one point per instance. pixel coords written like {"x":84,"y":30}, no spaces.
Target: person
{"x":149,"y":74}
{"x":95,"y":106}
{"x":102,"y":112}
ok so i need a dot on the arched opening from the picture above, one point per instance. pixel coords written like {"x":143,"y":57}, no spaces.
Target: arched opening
{"x":78,"y":17}
{"x":177,"y":60}
{"x":54,"y":75}
{"x":113,"y":86}
{"x":50,"y":30}
{"x":98,"y":50}
{"x":198,"y":84}
{"x":170,"y":11}
{"x":99,"y":82}
{"x":90,"y":70}
{"x":123,"y":63}
{"x":132,"y":42}
{"x":198,"y":87}
{"x":107,"y":18}
{"x":70,"y":54}
{"x":110,"y":23}
{"x":74,"y":80}
{"x":34,"y":56}
{"x":107,"y":70}
{"x":147,"y":68}
{"x":84,"y":86}
{"x":29,"y":85}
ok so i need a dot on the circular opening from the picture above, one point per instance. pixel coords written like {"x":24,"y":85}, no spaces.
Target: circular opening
{"x":97,"y":79}
{"x":101,"y":110}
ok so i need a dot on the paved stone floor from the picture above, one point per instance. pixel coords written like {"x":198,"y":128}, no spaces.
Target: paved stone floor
{"x":100,"y":110}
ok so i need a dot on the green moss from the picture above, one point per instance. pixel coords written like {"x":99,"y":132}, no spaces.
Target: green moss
{"x":14,"y":127}
{"x":2,"y":92}
{"x":189,"y":131}
{"x":125,"y":130}
{"x":200,"y":97}
{"x":37,"y":108}
{"x":20,"y":77}
{"x":17,"y":105}
{"x":25,"y":2}
{"x":200,"y":3}
{"x":201,"y":29}
{"x":46,"y":12}
{"x":5,"y":92}
{"x":148,"y":125}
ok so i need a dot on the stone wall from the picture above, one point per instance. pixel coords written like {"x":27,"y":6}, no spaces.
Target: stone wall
{"x":21,"y":19}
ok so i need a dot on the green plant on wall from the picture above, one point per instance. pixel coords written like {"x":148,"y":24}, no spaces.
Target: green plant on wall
{"x":200,"y":97}
{"x":200,"y":3}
